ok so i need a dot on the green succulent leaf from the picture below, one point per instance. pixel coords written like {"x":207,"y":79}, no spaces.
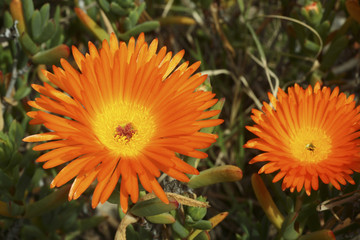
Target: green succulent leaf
{"x":45,"y":13}
{"x":324,"y":28}
{"x":153,"y":207}
{"x":117,"y":9}
{"x":136,"y":13}
{"x":204,"y":235}
{"x":104,"y":4}
{"x":5,"y":180}
{"x":126,"y":3}
{"x":8,"y":21}
{"x":22,"y":92}
{"x":36,"y":24}
{"x":227,"y":173}
{"x":22,"y":185}
{"x":57,"y":37}
{"x":336,"y":47}
{"x":51,"y":56}
{"x":291,"y":228}
{"x":178,"y":228}
{"x":163,"y":218}
{"x":128,"y":24}
{"x":47,"y":203}
{"x":57,"y":16}
{"x":36,"y":177}
{"x":15,"y":159}
{"x":202,"y":225}
{"x":196,"y":213}
{"x":312,"y":46}
{"x":4,"y":160}
{"x":143,"y":27}
{"x":28,"y":44}
{"x":28,"y":9}
{"x":16,"y":132}
{"x":99,"y":32}
{"x":48,"y":32}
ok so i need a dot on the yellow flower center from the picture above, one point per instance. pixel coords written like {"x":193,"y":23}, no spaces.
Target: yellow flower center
{"x":310,"y":145}
{"x":124,"y":128}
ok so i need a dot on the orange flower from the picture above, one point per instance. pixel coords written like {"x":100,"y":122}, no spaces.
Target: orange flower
{"x":308,"y":134}
{"x":126,"y":115}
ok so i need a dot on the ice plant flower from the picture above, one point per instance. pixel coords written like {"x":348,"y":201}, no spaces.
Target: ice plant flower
{"x":124,"y":115}
{"x":308,"y":134}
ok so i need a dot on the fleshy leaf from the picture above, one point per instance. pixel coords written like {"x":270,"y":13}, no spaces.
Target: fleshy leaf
{"x":227,"y":173}
{"x":162,"y":218}
{"x":17,"y":14}
{"x":180,"y":229}
{"x":91,"y":25}
{"x":36,"y":24}
{"x":266,"y":201}
{"x":153,"y":207}
{"x":51,"y":56}
{"x":28,"y":44}
{"x":48,"y":203}
{"x":143,"y":27}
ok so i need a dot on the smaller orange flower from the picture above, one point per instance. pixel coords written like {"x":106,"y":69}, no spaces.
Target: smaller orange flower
{"x":308,"y":134}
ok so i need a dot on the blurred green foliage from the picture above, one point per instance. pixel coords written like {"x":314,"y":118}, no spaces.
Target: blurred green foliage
{"x":248,"y":48}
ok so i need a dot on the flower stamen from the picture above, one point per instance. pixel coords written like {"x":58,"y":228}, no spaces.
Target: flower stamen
{"x":125,"y":132}
{"x":310,"y":146}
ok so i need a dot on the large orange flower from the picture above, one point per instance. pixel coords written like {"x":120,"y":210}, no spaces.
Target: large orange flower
{"x":307,"y":135}
{"x":126,"y":115}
